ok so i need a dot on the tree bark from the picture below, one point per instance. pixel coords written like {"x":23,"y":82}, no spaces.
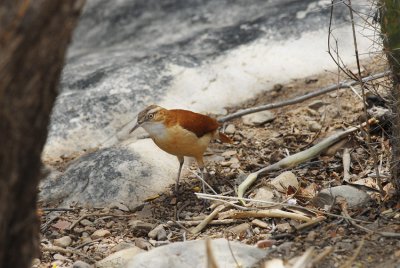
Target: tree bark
{"x":390,"y":26}
{"x":33,"y":41}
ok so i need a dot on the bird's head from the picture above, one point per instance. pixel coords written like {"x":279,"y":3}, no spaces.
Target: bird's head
{"x":150,"y":115}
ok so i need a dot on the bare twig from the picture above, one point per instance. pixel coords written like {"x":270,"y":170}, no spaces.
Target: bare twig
{"x":343,"y":84}
{"x":209,"y":218}
{"x":312,"y":222}
{"x":96,"y":215}
{"x":328,"y":250}
{"x":268,"y":213}
{"x":346,"y":164}
{"x":213,"y":222}
{"x":211,"y":262}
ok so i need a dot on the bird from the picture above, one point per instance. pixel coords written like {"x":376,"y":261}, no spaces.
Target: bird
{"x":180,"y":133}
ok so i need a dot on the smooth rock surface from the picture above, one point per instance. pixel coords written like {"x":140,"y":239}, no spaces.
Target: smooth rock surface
{"x":63,"y":242}
{"x":193,"y":254}
{"x":119,"y":258}
{"x":284,"y":180}
{"x":354,"y":197}
{"x":259,"y":118}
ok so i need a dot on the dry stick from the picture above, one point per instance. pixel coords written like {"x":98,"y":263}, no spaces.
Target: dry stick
{"x":343,"y":84}
{"x":66,"y":251}
{"x":271,"y":213}
{"x":209,"y":218}
{"x":213,"y":222}
{"x":310,"y":223}
{"x":371,"y":150}
{"x":296,"y":159}
{"x":346,"y":165}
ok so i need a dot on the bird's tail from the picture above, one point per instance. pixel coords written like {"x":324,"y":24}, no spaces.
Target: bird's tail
{"x":223,"y":138}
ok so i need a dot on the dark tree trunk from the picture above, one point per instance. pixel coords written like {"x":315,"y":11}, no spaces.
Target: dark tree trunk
{"x":33,"y":41}
{"x":390,"y":25}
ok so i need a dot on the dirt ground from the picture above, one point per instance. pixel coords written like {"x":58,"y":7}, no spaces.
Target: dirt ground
{"x":294,"y":129}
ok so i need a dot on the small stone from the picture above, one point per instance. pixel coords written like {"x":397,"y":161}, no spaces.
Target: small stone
{"x":333,"y":95}
{"x":140,"y":228}
{"x":86,"y":222}
{"x":315,"y":105}
{"x":100,"y":233}
{"x":278,"y":87}
{"x":235,"y":166}
{"x":162,"y":235}
{"x":240,"y":230}
{"x":283,"y":227}
{"x":233,"y":160}
{"x":310,"y":80}
{"x":259,"y":118}
{"x":284,"y":180}
{"x":154,"y":233}
{"x":228,"y":154}
{"x":119,"y":206}
{"x":63,"y":242}
{"x":230,"y":129}
{"x":59,"y":257}
{"x":314,"y":126}
{"x":122,"y":246}
{"x":142,"y":243}
{"x":263,"y":194}
{"x":81,"y":264}
{"x":260,"y":224}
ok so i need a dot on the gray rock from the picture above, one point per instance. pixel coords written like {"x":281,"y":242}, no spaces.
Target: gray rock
{"x":100,"y":233}
{"x":315,"y":105}
{"x":119,"y":258}
{"x":59,"y":257}
{"x":264,"y":194}
{"x":354,"y":197}
{"x":258,"y":118}
{"x":314,"y":126}
{"x":154,"y":233}
{"x":284,"y":180}
{"x":86,"y":222}
{"x":81,"y":264}
{"x":121,"y":246}
{"x":142,"y":243}
{"x":139,"y":227}
{"x":230,"y":129}
{"x":182,"y":254}
{"x":63,"y":242}
{"x":115,"y":173}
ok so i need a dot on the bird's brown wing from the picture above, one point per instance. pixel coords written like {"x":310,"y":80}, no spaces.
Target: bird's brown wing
{"x":199,"y":124}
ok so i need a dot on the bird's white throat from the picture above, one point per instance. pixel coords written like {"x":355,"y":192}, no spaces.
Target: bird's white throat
{"x":156,"y":130}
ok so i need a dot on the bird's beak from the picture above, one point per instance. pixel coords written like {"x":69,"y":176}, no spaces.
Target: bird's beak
{"x":134,"y":128}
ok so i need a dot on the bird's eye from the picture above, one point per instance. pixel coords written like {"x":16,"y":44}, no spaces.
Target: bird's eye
{"x":150,"y":116}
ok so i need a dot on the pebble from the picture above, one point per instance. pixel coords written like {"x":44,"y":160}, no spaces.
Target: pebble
{"x":59,"y":257}
{"x":314,"y":126}
{"x":86,"y":222}
{"x":259,"y":118}
{"x":240,"y":230}
{"x":63,"y":242}
{"x":142,"y":243}
{"x":230,"y":129}
{"x":153,"y":234}
{"x":315,"y":105}
{"x":233,"y":160}
{"x":35,"y":262}
{"x":235,"y":166}
{"x":284,"y":180}
{"x":100,"y":233}
{"x":228,"y":154}
{"x":81,"y":264}
{"x":140,"y":227}
{"x":120,"y":206}
{"x":264,"y":194}
{"x":283,"y":227}
{"x":121,"y":246}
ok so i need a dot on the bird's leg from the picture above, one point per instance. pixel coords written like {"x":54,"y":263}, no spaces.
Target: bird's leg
{"x":203,"y":172}
{"x":181,"y":160}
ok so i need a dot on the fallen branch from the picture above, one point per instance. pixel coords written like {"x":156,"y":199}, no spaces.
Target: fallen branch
{"x":298,"y":158}
{"x":269,"y":213}
{"x":212,"y":222}
{"x":343,"y":84}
